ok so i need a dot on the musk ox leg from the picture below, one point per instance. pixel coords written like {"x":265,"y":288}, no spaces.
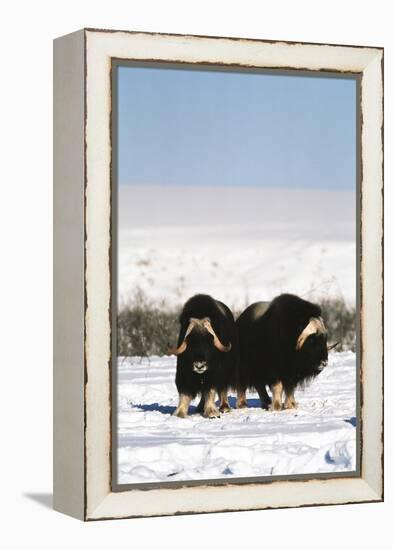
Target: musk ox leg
{"x":201,"y":405}
{"x":224,"y":405}
{"x":277,"y":396}
{"x":241,"y":401}
{"x":184,"y":403}
{"x":211,"y":410}
{"x":290,"y":402}
{"x":264,"y":397}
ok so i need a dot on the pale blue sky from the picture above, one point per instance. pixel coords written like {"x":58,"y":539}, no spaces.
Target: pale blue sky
{"x":194,"y":127}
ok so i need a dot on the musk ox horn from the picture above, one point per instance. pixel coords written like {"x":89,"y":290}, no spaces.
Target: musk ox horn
{"x":332,"y":346}
{"x":315,"y":326}
{"x":217,"y":343}
{"x":183,"y":346}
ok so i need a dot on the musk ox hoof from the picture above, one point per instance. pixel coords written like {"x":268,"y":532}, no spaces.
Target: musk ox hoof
{"x":241,"y":405}
{"x":290,"y":405}
{"x":276,"y":406}
{"x":211,"y":413}
{"x":180,"y":413}
{"x":225,"y":408}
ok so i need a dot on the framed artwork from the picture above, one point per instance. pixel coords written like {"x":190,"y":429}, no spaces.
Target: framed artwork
{"x":218,"y":261}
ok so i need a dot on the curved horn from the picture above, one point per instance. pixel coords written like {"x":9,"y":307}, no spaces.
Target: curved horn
{"x":183,"y":346}
{"x":332,"y":346}
{"x":216,"y":341}
{"x":178,"y":351}
{"x":315,"y":326}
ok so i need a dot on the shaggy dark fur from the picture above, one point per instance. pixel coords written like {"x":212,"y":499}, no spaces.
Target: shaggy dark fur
{"x":220,"y":366}
{"x":268,"y":335}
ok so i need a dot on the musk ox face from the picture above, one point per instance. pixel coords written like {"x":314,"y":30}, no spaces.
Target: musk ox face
{"x":314,"y":352}
{"x":200,"y":346}
{"x":200,"y":351}
{"x":312,"y":346}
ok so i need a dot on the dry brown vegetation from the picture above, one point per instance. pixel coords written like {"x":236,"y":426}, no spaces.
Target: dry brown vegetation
{"x":146,"y":328}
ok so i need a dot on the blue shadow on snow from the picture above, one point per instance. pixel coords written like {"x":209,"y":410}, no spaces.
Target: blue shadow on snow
{"x":167,"y":409}
{"x":163,"y":409}
{"x":351,"y":421}
{"x":251,"y":403}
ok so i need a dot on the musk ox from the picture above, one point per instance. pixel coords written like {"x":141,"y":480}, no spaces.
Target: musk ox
{"x":206,"y":355}
{"x":281,"y":345}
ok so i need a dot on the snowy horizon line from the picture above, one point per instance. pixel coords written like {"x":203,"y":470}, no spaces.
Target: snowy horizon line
{"x":259,"y":187}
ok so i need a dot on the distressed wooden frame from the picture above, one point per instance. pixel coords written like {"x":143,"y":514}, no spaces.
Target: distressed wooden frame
{"x":82,"y":291}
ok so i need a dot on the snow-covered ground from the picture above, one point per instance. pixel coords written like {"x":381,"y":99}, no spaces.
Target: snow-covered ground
{"x":320,"y":436}
{"x":239,"y":245}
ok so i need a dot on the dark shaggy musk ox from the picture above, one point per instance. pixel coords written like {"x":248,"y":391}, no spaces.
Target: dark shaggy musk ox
{"x":281,"y":345}
{"x":206,"y":355}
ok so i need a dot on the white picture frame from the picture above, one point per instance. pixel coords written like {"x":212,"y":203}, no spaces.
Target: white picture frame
{"x":82,"y":257}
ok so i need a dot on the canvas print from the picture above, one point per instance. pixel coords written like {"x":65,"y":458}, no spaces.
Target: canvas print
{"x":234,"y":274}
